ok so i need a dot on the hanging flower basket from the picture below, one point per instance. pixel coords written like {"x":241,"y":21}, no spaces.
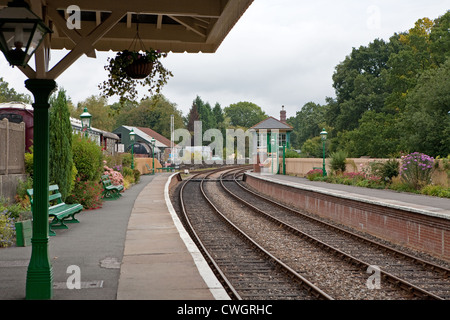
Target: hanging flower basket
{"x":131,"y":68}
{"x":139,"y":69}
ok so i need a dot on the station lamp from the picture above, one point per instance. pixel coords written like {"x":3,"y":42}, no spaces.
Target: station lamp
{"x":324,"y":135}
{"x":132,"y":139}
{"x":21,"y":32}
{"x":153,"y":154}
{"x":85,"y":121}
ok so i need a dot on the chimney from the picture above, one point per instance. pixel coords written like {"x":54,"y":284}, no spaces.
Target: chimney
{"x":283,"y":115}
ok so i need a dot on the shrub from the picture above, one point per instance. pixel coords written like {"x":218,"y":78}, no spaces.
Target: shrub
{"x":29,"y":161}
{"x":314,"y":174}
{"x":87,"y":157}
{"x":16,"y":210}
{"x":7,"y":229}
{"x":338,"y":161}
{"x":115,"y":176}
{"x":126,"y":159}
{"x":21,"y":193}
{"x":290,"y":153}
{"x":137,"y":175}
{"x":127,"y":172}
{"x":86,"y":193}
{"x":416,"y":169}
{"x":437,"y":191}
{"x":389,"y":170}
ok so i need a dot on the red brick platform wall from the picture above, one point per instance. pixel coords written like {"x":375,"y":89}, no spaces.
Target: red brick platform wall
{"x":418,"y":231}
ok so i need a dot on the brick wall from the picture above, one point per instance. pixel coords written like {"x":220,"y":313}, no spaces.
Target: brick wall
{"x":422,"y":232}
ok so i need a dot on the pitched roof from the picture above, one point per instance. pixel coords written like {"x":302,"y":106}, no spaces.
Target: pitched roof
{"x":272,"y":123}
{"x":147,"y":134}
{"x":156,"y":135}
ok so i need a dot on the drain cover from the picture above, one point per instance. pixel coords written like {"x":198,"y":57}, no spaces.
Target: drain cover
{"x":110,"y":263}
{"x":14,"y":263}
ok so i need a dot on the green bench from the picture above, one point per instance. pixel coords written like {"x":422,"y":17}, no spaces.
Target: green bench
{"x":150,"y":171}
{"x":166,"y":169}
{"x":59,"y":212}
{"x":110,"y":191}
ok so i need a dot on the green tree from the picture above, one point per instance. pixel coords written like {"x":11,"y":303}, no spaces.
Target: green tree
{"x":60,"y":157}
{"x":154,"y":113}
{"x":219,"y":116}
{"x":440,"y":39}
{"x":425,"y":124}
{"x":377,"y":136}
{"x":102,"y":117}
{"x":192,"y":117}
{"x":9,"y":94}
{"x":206,"y":114}
{"x":313,"y":148}
{"x":244,"y":114}
{"x":360,"y":84}
{"x":307,"y":123}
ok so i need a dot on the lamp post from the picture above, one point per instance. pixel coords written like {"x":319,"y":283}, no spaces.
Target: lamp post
{"x":272,"y":148}
{"x":323,"y":135}
{"x":85,"y":121}
{"x":153,"y":154}
{"x":21,"y":33}
{"x":132,"y":139}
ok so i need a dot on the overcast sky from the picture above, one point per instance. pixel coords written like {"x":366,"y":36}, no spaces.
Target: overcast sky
{"x":281,"y":52}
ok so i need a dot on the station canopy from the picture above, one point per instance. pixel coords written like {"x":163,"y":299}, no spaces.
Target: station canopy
{"x":171,"y":26}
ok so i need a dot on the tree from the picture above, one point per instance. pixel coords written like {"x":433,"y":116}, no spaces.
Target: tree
{"x":425,"y":124}
{"x":377,"y":136}
{"x":360,"y":84}
{"x":307,"y":123}
{"x":219,"y":116}
{"x":440,"y":39}
{"x":60,"y":157}
{"x":153,"y":113}
{"x":244,"y":114}
{"x":101,"y":113}
{"x":8,"y":95}
{"x":192,"y":117}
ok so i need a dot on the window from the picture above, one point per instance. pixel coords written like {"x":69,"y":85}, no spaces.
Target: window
{"x":282,"y":139}
{"x":16,"y":118}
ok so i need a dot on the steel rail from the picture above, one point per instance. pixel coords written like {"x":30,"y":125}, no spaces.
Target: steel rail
{"x":428,"y":264}
{"x":212,"y":263}
{"x":394,"y":279}
{"x":305,"y":283}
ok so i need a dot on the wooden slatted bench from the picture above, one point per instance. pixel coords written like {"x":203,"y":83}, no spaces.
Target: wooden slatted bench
{"x":110,"y":191}
{"x":59,"y":212}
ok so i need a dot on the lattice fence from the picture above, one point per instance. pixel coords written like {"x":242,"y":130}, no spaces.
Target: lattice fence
{"x":12,"y":147}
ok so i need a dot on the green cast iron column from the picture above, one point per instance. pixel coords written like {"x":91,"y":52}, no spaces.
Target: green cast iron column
{"x":324,"y":171}
{"x":40,"y":274}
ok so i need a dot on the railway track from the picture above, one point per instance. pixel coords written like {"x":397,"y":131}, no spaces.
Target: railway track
{"x":321,"y":260}
{"x":245,"y":269}
{"x":422,"y":279}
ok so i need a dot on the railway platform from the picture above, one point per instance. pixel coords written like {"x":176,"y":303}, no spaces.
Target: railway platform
{"x":427,"y":205}
{"x":133,"y":248}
